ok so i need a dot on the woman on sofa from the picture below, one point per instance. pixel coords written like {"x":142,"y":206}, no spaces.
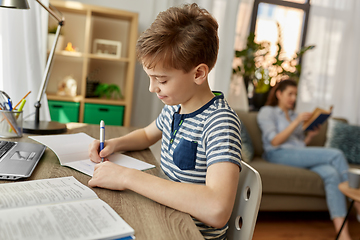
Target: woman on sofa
{"x":285,"y":143}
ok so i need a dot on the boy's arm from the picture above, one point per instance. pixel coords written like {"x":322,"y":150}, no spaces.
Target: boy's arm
{"x":211,"y":203}
{"x":137,"y":140}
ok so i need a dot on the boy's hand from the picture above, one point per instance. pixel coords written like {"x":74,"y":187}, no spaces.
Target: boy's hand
{"x":109,"y":175}
{"x":95,"y":155}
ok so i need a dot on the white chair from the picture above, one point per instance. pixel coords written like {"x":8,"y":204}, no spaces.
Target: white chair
{"x":243,"y":218}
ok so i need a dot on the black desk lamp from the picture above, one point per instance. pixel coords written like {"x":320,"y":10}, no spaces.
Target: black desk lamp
{"x":37,"y":126}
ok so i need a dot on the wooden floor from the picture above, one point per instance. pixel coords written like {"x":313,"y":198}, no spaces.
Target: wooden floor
{"x":300,"y":225}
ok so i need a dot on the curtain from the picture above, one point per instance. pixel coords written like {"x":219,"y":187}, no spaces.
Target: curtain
{"x":22,"y":55}
{"x":237,"y":95}
{"x":330,"y":71}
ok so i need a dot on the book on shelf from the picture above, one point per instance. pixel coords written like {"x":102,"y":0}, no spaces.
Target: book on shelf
{"x":72,"y":151}
{"x":57,"y":208}
{"x":318,"y":117}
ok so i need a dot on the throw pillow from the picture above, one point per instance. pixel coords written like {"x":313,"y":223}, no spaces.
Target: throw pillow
{"x":345,"y":137}
{"x":247,"y":149}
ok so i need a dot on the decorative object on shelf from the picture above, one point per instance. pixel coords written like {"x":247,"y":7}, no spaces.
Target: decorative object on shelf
{"x":87,"y":23}
{"x":67,"y":87}
{"x":37,"y":126}
{"x":108,"y":90}
{"x":91,"y":86}
{"x":92,"y":81}
{"x":107,"y":48}
{"x":70,"y":48}
{"x":51,"y":37}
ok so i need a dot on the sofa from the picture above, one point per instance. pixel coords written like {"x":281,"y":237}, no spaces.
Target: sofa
{"x":285,"y":188}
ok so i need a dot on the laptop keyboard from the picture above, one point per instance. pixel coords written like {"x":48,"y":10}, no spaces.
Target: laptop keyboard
{"x":5,"y":146}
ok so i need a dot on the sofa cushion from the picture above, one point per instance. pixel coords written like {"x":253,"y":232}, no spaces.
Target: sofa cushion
{"x":292,"y":202}
{"x":247,"y":150}
{"x":282,"y":179}
{"x":345,"y":137}
{"x":250,"y":122}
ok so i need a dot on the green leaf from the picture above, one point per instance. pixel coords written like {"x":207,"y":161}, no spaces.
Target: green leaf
{"x":108,"y":90}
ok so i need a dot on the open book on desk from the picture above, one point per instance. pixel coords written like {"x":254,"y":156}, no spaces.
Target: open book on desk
{"x":72,"y":151}
{"x":318,"y":117}
{"x":57,"y":208}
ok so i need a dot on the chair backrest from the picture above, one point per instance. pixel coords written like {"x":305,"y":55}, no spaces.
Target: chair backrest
{"x":243,"y":218}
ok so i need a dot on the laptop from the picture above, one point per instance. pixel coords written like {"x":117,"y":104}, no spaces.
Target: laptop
{"x":19,"y":159}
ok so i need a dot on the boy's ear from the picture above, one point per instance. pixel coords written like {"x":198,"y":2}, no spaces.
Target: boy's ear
{"x":201,"y":73}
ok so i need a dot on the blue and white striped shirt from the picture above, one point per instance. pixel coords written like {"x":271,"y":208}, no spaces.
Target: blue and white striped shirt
{"x":192,"y":142}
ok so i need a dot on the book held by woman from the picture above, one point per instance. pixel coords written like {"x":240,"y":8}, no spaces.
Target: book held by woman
{"x":318,"y":117}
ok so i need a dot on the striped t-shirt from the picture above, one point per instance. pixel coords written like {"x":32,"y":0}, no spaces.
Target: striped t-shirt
{"x":192,"y":142}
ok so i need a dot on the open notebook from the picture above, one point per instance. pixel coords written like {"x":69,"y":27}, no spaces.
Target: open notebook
{"x":72,"y":151}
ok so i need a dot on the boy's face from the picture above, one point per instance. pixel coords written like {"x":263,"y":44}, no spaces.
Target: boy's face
{"x":172,"y":86}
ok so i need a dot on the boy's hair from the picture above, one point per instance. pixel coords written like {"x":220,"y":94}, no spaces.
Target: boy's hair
{"x":180,"y":38}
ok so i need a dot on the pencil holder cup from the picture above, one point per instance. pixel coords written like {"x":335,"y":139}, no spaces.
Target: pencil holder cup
{"x":11,"y":124}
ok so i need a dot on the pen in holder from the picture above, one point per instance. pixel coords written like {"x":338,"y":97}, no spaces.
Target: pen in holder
{"x":11,"y":124}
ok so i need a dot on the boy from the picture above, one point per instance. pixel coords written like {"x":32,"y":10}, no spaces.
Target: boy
{"x":200,"y":132}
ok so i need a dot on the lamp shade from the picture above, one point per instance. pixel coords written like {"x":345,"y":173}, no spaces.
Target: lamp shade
{"x":18,"y":4}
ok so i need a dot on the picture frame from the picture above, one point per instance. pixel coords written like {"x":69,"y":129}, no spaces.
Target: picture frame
{"x":107,"y":48}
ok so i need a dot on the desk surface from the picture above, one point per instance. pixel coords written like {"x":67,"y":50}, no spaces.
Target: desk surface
{"x":149,"y":219}
{"x":350,"y":192}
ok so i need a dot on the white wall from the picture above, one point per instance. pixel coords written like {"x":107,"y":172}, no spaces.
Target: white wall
{"x":146,"y":106}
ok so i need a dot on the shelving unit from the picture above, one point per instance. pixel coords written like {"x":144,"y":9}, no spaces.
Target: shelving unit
{"x":83,"y":24}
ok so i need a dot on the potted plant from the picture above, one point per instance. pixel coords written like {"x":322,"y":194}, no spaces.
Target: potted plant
{"x":108,"y":90}
{"x":287,"y":68}
{"x":251,"y":59}
{"x":258,"y":68}
{"x":51,"y":38}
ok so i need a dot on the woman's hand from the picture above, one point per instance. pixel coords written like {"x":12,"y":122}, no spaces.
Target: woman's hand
{"x":109,"y":175}
{"x":303,"y":117}
{"x":282,"y":136}
{"x":315,"y":131}
{"x":312,"y":133}
{"x":94,"y":148}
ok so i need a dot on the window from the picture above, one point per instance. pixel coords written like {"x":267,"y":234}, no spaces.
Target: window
{"x":265,"y":18}
{"x":290,"y":17}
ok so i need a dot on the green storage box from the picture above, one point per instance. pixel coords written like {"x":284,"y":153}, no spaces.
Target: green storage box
{"x":64,"y":112}
{"x":112,"y":115}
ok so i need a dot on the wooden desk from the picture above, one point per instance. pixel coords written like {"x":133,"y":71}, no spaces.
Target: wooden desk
{"x":149,"y":219}
{"x":352,"y":193}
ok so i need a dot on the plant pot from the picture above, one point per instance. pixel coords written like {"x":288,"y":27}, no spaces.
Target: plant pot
{"x":259,"y":100}
{"x":90,"y":88}
{"x":50,"y":40}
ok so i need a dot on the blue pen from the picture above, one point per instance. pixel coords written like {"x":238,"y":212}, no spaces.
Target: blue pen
{"x":10,"y":104}
{"x":102,"y":136}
